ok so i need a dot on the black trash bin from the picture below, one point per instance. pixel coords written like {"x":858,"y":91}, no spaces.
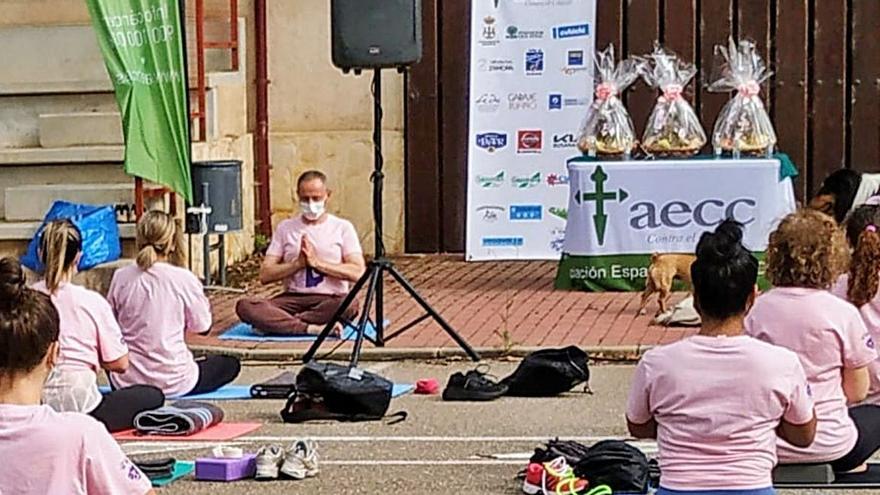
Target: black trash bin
{"x":217,"y":184}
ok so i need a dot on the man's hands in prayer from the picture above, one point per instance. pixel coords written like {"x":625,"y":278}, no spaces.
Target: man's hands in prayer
{"x":351,"y":268}
{"x":308,"y":253}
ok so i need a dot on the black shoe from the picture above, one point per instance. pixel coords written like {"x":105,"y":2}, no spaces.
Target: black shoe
{"x":474,"y":386}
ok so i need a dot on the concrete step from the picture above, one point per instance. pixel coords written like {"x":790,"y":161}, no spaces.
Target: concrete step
{"x":76,"y":165}
{"x":67,"y":59}
{"x":31,"y":202}
{"x":71,"y":174}
{"x":66,"y":155}
{"x":21,"y":114}
{"x":24,"y":231}
{"x":60,"y":130}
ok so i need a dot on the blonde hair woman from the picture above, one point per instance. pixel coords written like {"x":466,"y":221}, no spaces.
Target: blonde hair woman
{"x":90,"y":339}
{"x":156,"y":302}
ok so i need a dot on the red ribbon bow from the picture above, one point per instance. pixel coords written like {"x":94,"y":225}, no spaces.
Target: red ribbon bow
{"x":605,"y":90}
{"x":749,"y":89}
{"x":672,"y":92}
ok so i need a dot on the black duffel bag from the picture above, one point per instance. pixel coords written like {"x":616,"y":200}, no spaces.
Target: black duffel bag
{"x":330,"y":391}
{"x":617,"y":464}
{"x":548,"y":372}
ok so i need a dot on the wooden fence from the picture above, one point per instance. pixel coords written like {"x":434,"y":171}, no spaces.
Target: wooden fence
{"x":824,"y":97}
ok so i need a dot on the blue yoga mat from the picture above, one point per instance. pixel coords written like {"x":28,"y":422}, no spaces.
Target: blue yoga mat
{"x":241,"y":392}
{"x":181,"y":469}
{"x":401,"y":389}
{"x":243,"y":331}
{"x":228,"y":392}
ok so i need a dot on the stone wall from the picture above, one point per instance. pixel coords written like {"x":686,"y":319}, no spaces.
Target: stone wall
{"x":319,"y":118}
{"x":323,"y":119}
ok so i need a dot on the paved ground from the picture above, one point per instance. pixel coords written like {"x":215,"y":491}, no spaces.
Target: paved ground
{"x":492,"y":304}
{"x":443,"y":448}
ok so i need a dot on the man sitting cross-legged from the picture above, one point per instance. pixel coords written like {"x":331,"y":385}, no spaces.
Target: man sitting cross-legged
{"x":318,"y":254}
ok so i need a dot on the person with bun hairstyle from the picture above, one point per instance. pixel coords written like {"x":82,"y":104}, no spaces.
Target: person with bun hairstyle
{"x":806,"y":254}
{"x":90,"y":339}
{"x":717,"y":401}
{"x":44,"y":451}
{"x":157,"y":301}
{"x":860,"y":285}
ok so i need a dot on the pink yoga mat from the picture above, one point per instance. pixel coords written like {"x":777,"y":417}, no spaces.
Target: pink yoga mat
{"x":222,"y":431}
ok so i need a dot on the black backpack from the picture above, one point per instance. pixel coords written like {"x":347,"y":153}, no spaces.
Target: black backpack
{"x":331,"y":391}
{"x":617,"y":464}
{"x":548,"y":372}
{"x":571,"y":450}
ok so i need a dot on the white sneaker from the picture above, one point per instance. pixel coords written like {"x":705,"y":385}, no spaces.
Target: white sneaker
{"x":269,"y":459}
{"x":301,"y":460}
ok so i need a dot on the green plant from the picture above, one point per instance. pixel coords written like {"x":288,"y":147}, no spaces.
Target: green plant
{"x":507,"y":342}
{"x":261,"y":243}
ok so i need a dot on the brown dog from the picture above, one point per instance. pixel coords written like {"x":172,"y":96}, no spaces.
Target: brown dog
{"x":664,"y":269}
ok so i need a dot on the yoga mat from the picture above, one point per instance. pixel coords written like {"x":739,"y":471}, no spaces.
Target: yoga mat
{"x":181,"y":469}
{"x":401,"y":389}
{"x":869,"y":480}
{"x":222,"y":431}
{"x":243,"y":331}
{"x":226,"y":392}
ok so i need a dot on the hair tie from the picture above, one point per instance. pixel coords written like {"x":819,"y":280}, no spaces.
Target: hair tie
{"x":871,"y":228}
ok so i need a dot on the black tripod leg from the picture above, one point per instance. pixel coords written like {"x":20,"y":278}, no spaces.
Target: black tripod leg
{"x":380,"y":310}
{"x":435,"y":315}
{"x":375,"y":275}
{"x":337,"y":317}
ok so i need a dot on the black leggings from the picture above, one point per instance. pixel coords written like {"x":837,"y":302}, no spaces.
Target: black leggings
{"x":214,"y":372}
{"x":118,"y":408}
{"x":867,"y":420}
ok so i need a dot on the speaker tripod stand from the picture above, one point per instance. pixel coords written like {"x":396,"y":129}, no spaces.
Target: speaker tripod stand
{"x":373,"y":277}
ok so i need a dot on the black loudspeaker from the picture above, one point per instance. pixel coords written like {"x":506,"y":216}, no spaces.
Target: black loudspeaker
{"x":375,"y":34}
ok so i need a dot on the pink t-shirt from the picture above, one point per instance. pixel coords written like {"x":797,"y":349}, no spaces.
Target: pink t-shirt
{"x":155,"y":308}
{"x":89,"y":333}
{"x":334,"y":239}
{"x":871,"y":316}
{"x":828,"y":335}
{"x":46,"y":452}
{"x":717,"y":402}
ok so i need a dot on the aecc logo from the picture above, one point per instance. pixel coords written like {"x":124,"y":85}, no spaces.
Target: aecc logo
{"x":678,"y":214}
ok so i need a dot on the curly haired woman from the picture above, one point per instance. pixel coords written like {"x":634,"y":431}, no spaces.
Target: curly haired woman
{"x":806,"y":254}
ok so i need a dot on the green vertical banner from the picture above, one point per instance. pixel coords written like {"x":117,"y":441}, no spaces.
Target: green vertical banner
{"x":143,"y":46}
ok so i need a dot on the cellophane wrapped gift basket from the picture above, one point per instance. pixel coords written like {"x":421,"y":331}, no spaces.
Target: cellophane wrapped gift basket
{"x":673,"y":128}
{"x":607,"y":130}
{"x":743,"y":125}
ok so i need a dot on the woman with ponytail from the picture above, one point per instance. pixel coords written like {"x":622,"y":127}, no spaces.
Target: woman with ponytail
{"x":860,"y":285}
{"x":157,"y":301}
{"x":44,"y":451}
{"x":716,"y":401}
{"x":90,"y":339}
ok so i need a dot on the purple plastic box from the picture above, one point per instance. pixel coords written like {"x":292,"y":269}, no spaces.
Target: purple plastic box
{"x":214,"y":469}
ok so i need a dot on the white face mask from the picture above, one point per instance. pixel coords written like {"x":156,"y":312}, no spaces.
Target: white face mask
{"x":312,"y":210}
